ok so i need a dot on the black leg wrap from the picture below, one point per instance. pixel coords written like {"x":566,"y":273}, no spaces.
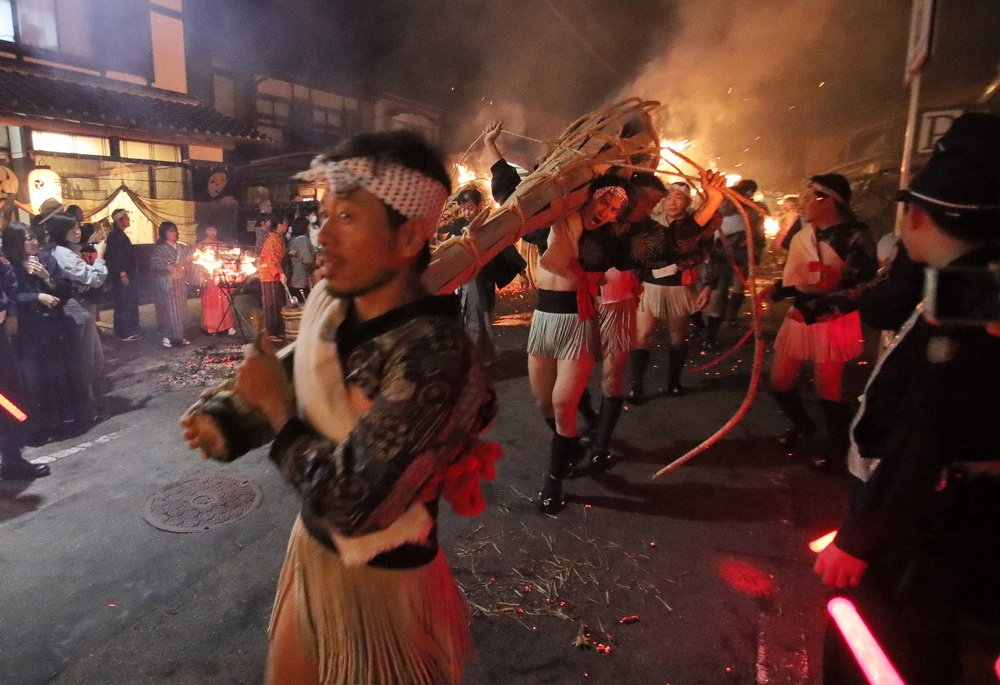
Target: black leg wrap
{"x":563,"y":454}
{"x":611,"y":410}
{"x":837,"y":416}
{"x":802,"y":425}
{"x":678,"y":355}
{"x":638,"y":361}
{"x":736,"y":300}
{"x":550,"y":499}
{"x":712,"y":324}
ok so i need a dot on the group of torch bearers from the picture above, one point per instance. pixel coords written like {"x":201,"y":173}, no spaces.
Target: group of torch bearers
{"x":371,"y":442}
{"x":376,"y":413}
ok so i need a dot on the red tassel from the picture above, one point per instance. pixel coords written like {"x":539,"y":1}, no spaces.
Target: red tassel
{"x":586,"y":291}
{"x":459,"y":482}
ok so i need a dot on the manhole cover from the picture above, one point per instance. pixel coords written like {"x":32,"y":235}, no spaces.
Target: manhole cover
{"x":201,"y":502}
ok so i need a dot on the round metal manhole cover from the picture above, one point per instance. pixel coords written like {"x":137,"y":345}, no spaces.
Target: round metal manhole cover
{"x":207,"y":500}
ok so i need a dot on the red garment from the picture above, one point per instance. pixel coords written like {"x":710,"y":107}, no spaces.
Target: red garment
{"x":459,"y":483}
{"x":689,"y":276}
{"x":271,"y":255}
{"x":216,"y":314}
{"x":587,"y":289}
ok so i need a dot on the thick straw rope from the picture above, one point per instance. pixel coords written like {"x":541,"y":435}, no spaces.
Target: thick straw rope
{"x":589,"y":147}
{"x":758,"y":357}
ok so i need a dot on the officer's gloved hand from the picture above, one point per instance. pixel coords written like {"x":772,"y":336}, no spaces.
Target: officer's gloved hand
{"x":812,"y":309}
{"x":780,"y":291}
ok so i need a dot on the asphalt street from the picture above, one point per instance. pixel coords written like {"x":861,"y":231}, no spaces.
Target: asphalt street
{"x":702,"y":576}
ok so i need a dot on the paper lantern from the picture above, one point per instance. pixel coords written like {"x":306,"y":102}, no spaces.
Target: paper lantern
{"x":44,"y":184}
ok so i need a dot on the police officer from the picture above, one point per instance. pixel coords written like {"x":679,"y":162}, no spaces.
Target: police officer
{"x":919,"y":551}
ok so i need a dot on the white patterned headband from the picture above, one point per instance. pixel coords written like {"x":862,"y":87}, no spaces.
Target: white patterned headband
{"x":616,"y":191}
{"x":824,"y":190}
{"x":409,"y":192}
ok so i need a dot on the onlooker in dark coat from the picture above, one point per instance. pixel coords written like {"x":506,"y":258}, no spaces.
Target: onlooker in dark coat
{"x":44,"y":336}
{"x":120,"y":257}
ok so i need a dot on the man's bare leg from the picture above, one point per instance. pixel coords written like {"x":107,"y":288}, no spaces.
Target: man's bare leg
{"x":287,"y":662}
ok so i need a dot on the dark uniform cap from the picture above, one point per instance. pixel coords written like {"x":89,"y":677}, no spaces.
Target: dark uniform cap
{"x":963,"y":173}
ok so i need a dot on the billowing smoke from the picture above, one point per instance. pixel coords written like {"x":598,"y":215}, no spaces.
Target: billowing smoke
{"x":748,"y":83}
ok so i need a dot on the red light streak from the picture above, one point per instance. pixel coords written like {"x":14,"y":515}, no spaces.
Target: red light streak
{"x":12,"y":409}
{"x":821,"y":543}
{"x":867,"y":651}
{"x":746,"y":578}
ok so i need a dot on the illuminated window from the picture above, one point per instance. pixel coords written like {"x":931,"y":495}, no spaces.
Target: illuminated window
{"x":71,"y":145}
{"x":134,"y":149}
{"x":62,"y":25}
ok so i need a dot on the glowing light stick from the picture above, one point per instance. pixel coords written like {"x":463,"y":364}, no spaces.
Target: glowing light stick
{"x":867,"y":651}
{"x":821,"y":543}
{"x":12,"y":409}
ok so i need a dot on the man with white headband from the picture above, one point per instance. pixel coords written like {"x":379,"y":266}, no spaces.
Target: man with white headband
{"x":564,"y":339}
{"x":386,"y":401}
{"x":835,"y":252}
{"x":669,"y":294}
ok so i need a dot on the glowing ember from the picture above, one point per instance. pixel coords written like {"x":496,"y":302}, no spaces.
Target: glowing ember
{"x":625,"y":620}
{"x":821,"y":543}
{"x":872,"y":660}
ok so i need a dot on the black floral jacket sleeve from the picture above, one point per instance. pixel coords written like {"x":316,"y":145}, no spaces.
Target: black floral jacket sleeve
{"x":430,"y":399}
{"x":886,"y":302}
{"x":853,"y":244}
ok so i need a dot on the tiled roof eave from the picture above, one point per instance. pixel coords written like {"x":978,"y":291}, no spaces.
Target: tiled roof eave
{"x":32,"y":97}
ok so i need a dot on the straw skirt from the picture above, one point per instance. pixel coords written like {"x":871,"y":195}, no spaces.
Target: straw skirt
{"x":668,"y":301}
{"x":563,"y":336}
{"x":617,"y":327}
{"x":836,"y":340}
{"x":368,"y":626}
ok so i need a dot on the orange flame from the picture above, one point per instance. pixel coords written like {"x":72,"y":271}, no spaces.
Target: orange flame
{"x":464,"y":174}
{"x":227,"y":264}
